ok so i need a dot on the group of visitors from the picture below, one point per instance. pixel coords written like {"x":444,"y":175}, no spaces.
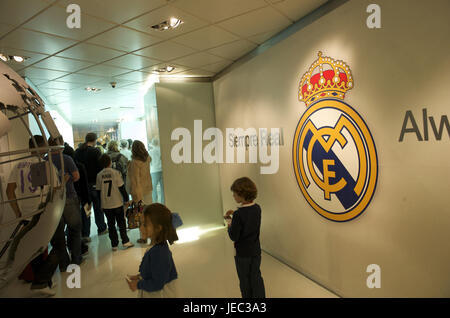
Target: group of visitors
{"x":105,"y":181}
{"x":132,"y":163}
{"x":20,"y":185}
{"x":81,"y":169}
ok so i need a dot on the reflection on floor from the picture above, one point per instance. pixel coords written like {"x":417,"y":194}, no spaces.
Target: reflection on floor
{"x":205,"y":265}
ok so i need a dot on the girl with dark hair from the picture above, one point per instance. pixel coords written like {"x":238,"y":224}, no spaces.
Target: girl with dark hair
{"x":157,"y":272}
{"x":140,"y":180}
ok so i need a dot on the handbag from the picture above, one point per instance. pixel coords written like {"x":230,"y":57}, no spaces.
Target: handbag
{"x":133,"y":214}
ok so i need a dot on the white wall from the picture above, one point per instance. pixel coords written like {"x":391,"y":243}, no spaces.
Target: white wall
{"x":403,"y":66}
{"x":64,"y":127}
{"x":193,"y":190}
{"x":135,"y":130}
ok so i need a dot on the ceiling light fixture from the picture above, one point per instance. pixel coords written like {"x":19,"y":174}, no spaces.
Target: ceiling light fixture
{"x":93,"y":89}
{"x":164,"y":69}
{"x":15,"y":58}
{"x":3,"y":57}
{"x":18,"y":58}
{"x":172,"y":23}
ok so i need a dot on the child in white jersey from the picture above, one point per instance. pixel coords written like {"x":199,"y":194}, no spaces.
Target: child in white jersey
{"x":113,"y":196}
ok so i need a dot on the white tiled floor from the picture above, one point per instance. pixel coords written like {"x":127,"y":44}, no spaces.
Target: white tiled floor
{"x":205,"y":269}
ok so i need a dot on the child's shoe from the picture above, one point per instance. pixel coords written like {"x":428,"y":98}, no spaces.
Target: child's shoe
{"x":128,"y":244}
{"x":114,"y":248}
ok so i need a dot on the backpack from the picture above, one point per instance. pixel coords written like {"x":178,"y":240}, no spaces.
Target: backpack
{"x":118,"y":165}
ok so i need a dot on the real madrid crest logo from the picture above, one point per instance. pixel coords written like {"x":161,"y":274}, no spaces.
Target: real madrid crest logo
{"x":334,"y":155}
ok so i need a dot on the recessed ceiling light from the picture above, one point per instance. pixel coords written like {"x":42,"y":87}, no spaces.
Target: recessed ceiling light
{"x":172,"y":23}
{"x":164,"y":69}
{"x":93,"y":89}
{"x":15,"y":58}
{"x":18,"y":58}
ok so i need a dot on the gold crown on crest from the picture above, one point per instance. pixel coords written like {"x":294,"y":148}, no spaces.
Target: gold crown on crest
{"x":330,"y":82}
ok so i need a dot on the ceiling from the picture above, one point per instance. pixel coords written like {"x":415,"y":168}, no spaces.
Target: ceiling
{"x":116,"y":44}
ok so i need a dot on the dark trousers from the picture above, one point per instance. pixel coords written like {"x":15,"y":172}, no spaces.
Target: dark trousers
{"x":98,"y":213}
{"x":71,"y":218}
{"x":250,"y":279}
{"x":85,"y":223}
{"x":113,"y":216}
{"x":59,"y":249}
{"x":43,"y":270}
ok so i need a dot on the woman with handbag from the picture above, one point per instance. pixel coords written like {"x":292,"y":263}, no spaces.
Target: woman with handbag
{"x":140,"y":181}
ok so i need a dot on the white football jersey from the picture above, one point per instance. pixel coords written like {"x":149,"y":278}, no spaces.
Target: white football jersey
{"x":21,"y":176}
{"x":108,"y":182}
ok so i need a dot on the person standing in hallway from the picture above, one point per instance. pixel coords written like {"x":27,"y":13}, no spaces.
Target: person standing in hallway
{"x":99,"y":146}
{"x":106,"y":141}
{"x":157,"y":273}
{"x":71,"y":213}
{"x":156,"y":170}
{"x":114,"y":198}
{"x":125,"y":149}
{"x":140,"y":180}
{"x":89,"y":155}
{"x":130,"y":144}
{"x":20,"y":186}
{"x":119,"y":161}
{"x":244,"y":228}
{"x":82,"y":189}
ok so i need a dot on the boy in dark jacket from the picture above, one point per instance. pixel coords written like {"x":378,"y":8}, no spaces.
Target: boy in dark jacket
{"x":244,"y":228}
